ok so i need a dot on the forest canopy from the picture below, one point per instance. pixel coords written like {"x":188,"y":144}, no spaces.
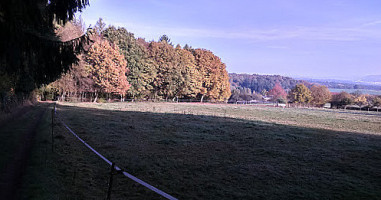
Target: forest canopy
{"x":155,"y":70}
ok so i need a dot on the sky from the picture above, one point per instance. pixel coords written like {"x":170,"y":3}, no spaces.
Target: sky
{"x":316,"y":38}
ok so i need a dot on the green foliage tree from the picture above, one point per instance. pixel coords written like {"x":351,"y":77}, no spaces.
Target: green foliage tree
{"x":165,"y":38}
{"x":142,"y":70}
{"x":259,"y":83}
{"x":300,"y":94}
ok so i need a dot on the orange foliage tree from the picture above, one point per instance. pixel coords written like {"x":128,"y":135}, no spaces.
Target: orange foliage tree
{"x":107,"y":67}
{"x":320,"y":95}
{"x":214,"y":77}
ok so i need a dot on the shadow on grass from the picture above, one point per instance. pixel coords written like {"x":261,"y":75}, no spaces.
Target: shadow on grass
{"x":206,"y":157}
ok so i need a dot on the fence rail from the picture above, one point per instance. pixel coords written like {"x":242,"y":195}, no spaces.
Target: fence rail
{"x":113,"y":166}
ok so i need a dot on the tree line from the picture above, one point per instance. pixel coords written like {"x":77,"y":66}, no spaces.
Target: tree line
{"x":254,"y":86}
{"x":119,"y":64}
{"x":315,"y":95}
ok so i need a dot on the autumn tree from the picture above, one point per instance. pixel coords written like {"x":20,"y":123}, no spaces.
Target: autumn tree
{"x":278,"y":93}
{"x":342,"y":99}
{"x":215,"y":79}
{"x":361,"y":100}
{"x":300,"y":94}
{"x":107,"y":67}
{"x":376,"y":101}
{"x":320,"y":95}
{"x":141,"y":69}
{"x":165,"y":59}
{"x":189,"y":86}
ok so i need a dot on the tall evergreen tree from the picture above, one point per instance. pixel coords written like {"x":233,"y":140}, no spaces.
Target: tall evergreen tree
{"x":31,"y":53}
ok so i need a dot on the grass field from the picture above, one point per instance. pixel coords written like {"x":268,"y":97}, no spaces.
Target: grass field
{"x":210,"y":151}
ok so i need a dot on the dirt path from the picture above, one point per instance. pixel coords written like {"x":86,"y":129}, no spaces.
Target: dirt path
{"x":12,"y":174}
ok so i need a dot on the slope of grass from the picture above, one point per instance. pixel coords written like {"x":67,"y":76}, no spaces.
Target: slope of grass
{"x":195,"y":151}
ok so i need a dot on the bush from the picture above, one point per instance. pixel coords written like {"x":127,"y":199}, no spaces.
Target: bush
{"x":101,"y":100}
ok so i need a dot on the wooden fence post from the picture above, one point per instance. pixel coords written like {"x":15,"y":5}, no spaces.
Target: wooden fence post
{"x":110,"y":182}
{"x":53,"y":112}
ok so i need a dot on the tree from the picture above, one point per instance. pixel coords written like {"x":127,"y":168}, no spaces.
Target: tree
{"x":189,"y":85}
{"x":107,"y":68}
{"x":277,"y":93}
{"x":377,"y":101}
{"x":165,"y":38}
{"x":215,"y":79}
{"x":320,"y":95}
{"x":165,"y":59}
{"x":99,"y":27}
{"x":300,"y":94}
{"x":142,"y":71}
{"x":361,"y":100}
{"x":342,"y":99}
{"x":30,"y":50}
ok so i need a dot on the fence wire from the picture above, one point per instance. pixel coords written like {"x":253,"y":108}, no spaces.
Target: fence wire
{"x":152,"y":188}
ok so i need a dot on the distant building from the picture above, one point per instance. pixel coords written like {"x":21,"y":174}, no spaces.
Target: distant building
{"x":266,"y":98}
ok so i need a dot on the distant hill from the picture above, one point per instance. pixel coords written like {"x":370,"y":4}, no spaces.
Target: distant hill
{"x":371,"y":79}
{"x":258,"y":82}
{"x":346,"y":84}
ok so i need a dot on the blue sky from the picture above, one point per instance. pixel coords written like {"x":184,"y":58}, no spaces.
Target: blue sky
{"x":300,"y":38}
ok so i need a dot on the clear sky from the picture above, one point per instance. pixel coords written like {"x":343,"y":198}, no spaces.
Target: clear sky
{"x":303,"y":38}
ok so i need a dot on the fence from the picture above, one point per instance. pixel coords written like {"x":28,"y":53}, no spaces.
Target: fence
{"x":114,"y":169}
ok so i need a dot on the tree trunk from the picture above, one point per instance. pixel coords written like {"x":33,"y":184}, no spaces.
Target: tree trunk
{"x":95,"y":97}
{"x":202,"y":98}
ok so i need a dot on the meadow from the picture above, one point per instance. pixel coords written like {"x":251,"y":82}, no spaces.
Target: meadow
{"x":209,"y":151}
